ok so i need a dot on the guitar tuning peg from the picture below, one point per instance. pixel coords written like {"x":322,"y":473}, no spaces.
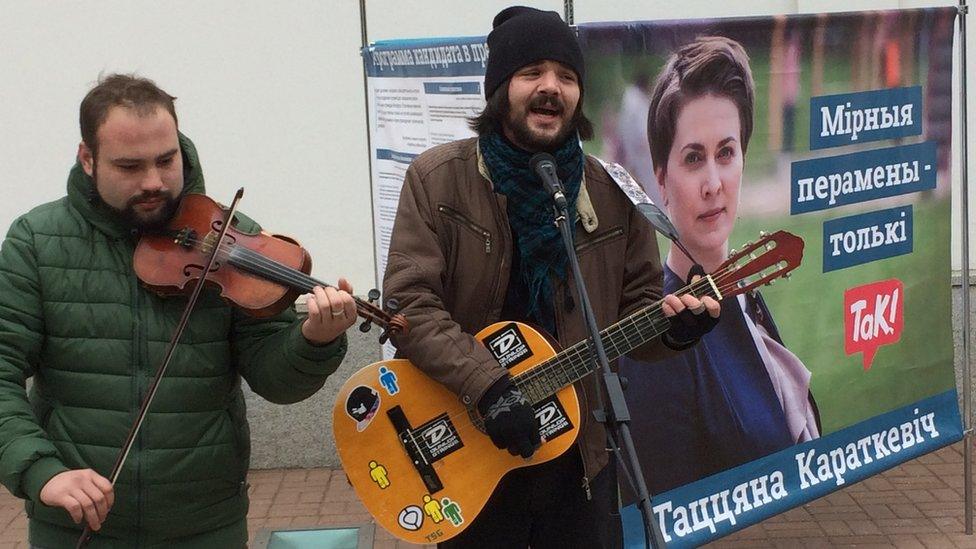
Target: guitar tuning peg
{"x":787,"y":275}
{"x":366,"y":326}
{"x":392,"y":305}
{"x":762,"y":234}
{"x":733,"y":251}
{"x":373,"y":295}
{"x":771,"y":281}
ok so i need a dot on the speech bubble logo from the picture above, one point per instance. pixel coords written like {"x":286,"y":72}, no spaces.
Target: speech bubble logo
{"x":874,"y":315}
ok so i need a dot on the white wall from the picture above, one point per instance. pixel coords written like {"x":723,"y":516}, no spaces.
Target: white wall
{"x":272,"y":93}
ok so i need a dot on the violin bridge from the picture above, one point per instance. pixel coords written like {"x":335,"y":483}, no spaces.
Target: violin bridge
{"x":208,"y":242}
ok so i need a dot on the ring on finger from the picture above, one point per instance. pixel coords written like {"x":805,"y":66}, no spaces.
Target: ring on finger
{"x":340,"y":312}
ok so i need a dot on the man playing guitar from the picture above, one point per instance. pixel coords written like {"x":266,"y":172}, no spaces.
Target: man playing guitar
{"x":474,"y":242}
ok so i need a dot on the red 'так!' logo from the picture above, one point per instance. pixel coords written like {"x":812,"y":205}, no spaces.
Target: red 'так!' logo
{"x":874,"y":315}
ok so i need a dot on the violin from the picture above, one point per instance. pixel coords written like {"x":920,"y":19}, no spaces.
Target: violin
{"x":260,"y":273}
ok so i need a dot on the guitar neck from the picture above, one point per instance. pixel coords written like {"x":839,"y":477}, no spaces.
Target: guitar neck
{"x":576,"y":362}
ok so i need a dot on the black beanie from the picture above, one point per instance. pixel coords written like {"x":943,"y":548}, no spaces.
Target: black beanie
{"x":521,"y":36}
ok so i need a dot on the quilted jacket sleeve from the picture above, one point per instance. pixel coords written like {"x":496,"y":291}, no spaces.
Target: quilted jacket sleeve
{"x":28,"y":459}
{"x":278,"y":362}
{"x":274,"y":357}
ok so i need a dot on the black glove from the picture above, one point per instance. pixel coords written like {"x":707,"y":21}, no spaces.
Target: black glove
{"x":687,"y":327}
{"x":509,"y":419}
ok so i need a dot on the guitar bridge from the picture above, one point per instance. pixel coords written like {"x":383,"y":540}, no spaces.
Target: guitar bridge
{"x":423,"y":466}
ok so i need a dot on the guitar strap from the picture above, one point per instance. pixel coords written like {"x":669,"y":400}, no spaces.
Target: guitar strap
{"x":626,"y":182}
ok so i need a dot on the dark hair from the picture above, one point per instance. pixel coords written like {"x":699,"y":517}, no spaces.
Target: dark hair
{"x":496,"y":109}
{"x":125,"y":90}
{"x":709,"y":65}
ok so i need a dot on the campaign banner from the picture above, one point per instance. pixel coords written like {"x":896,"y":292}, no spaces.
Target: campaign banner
{"x":420,"y":93}
{"x":833,"y":127}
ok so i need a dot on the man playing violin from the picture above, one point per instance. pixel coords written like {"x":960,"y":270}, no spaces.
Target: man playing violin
{"x":474,"y":243}
{"x":74,"y":317}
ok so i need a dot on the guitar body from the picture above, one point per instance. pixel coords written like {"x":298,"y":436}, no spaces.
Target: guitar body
{"x":458,"y":467}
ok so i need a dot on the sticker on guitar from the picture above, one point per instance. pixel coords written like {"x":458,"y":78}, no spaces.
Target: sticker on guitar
{"x":508,"y":346}
{"x":389,"y":381}
{"x":361,"y":406}
{"x":379,"y":475}
{"x":452,"y":511}
{"x":433,"y":509}
{"x":552,"y":418}
{"x":438,"y":438}
{"x":411,"y":518}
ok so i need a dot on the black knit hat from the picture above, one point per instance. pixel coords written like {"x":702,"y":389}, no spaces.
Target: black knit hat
{"x":521,"y":36}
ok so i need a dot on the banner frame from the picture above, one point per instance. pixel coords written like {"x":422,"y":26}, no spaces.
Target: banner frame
{"x":967,"y":382}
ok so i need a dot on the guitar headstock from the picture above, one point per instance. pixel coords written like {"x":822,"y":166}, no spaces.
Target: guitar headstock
{"x":759,"y":263}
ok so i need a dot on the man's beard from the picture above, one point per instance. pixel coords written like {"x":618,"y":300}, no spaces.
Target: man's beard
{"x":128,"y":215}
{"x":527,"y":138}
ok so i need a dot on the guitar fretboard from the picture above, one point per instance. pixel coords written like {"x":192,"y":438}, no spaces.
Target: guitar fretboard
{"x":627,"y":334}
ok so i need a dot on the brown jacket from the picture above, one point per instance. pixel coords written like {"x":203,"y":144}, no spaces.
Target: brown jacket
{"x":449,"y":262}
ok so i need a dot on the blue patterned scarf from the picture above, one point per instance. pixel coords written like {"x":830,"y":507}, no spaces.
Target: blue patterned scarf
{"x":530,"y":214}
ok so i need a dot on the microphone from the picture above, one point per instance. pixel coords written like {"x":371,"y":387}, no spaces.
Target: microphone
{"x":544,"y":165}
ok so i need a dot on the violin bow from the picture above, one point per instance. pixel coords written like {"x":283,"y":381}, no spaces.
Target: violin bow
{"x":87,"y":534}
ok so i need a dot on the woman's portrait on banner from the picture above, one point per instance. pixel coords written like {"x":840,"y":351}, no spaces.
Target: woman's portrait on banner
{"x":739,"y":394}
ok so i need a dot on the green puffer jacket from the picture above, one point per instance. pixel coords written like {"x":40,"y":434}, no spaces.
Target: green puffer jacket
{"x":74,"y":316}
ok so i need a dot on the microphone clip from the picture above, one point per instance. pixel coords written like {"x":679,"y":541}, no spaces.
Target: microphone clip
{"x":544,"y":165}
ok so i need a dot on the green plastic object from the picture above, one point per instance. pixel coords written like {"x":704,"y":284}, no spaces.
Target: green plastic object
{"x":346,"y":537}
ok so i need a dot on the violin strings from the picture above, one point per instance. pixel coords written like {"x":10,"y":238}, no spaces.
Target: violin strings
{"x":251,"y":260}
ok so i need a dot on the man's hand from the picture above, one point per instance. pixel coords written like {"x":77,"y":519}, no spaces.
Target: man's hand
{"x":83,"y":493}
{"x":330,"y":312}
{"x":686,"y":314}
{"x":509,"y":419}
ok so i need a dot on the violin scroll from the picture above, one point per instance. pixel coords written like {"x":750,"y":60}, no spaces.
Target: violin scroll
{"x":393,"y":323}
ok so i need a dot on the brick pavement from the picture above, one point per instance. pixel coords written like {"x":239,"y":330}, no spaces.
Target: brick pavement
{"x":915,"y":505}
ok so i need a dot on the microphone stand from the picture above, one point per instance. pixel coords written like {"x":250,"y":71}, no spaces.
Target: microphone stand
{"x":616,"y":416}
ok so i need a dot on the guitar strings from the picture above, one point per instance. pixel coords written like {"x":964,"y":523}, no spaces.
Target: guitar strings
{"x":609,"y":335}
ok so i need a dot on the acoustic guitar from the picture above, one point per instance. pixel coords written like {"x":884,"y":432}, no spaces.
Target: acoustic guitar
{"x":420,"y":460}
